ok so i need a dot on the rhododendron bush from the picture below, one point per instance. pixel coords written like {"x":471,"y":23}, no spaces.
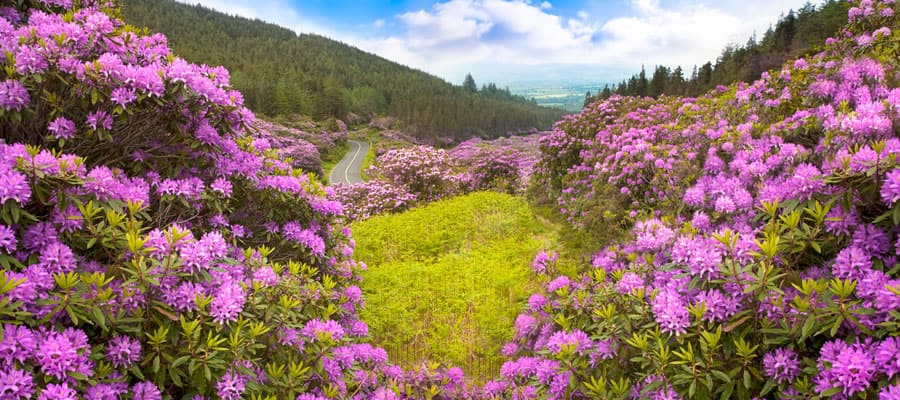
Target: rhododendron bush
{"x":504,"y":164}
{"x":406,"y":177}
{"x":400,"y":179}
{"x":762,"y":254}
{"x":155,"y":245}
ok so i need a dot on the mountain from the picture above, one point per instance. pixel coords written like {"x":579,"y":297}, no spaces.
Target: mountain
{"x":280,"y":72}
{"x":797,"y":33}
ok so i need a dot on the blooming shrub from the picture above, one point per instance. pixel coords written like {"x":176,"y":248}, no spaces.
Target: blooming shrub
{"x":152,"y":244}
{"x":368,"y":199}
{"x":504,"y":164}
{"x":399,"y":179}
{"x":424,"y":171}
{"x":763,"y":248}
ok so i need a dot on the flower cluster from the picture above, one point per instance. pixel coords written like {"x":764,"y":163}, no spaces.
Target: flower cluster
{"x":760,"y":236}
{"x":154,"y":242}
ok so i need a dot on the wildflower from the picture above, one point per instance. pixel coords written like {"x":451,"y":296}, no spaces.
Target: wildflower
{"x":146,"y":391}
{"x":781,"y":365}
{"x":13,"y":95}
{"x":123,"y":351}
{"x":62,"y":128}
{"x":14,"y":186}
{"x":231,"y":386}
{"x":58,"y":392}
{"x":890,"y":189}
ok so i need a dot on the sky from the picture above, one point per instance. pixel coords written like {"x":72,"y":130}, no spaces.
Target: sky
{"x":513,"y":42}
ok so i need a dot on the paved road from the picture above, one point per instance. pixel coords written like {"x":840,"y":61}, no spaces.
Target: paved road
{"x":347,"y":170}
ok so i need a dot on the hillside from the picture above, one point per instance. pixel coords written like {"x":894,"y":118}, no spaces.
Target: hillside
{"x":280,"y":72}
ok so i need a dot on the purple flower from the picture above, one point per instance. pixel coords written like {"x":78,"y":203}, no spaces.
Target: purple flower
{"x":8,"y":240}
{"x":542,"y":261}
{"x":536,"y":302}
{"x":575,"y":341}
{"x":652,"y":235}
{"x":14,"y":186}
{"x":99,"y":118}
{"x":265,"y":276}
{"x":558,"y":283}
{"x":890,"y":189}
{"x":310,"y":396}
{"x":57,"y":355}
{"x":889,"y":393}
{"x":58,"y":392}
{"x":57,"y":258}
{"x":669,"y":308}
{"x":122,"y":96}
{"x":13,"y":95}
{"x":887,"y":355}
{"x":30,"y":61}
{"x":18,"y":344}
{"x":16,"y":384}
{"x":781,"y":365}
{"x":231,"y":386}
{"x":105,"y":391}
{"x":629,"y":283}
{"x":228,"y":302}
{"x":524,"y":325}
{"x":871,"y":239}
{"x":318,"y":330}
{"x":62,"y":128}
{"x":849,"y":367}
{"x":851,"y":263}
{"x":222,"y":186}
{"x":123,"y":351}
{"x":146,"y":391}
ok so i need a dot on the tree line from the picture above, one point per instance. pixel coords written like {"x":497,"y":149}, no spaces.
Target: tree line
{"x":281,"y":73}
{"x":796,"y":34}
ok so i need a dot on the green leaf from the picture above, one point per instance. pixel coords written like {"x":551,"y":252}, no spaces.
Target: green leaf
{"x":722,"y":376}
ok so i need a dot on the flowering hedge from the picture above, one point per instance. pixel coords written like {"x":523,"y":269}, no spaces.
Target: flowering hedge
{"x":504,"y":164}
{"x":152,"y":244}
{"x":762,"y":259}
{"x":399,"y":179}
{"x":402,"y":178}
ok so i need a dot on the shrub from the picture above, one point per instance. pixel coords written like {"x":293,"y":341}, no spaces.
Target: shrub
{"x":762,"y":259}
{"x":154,"y":246}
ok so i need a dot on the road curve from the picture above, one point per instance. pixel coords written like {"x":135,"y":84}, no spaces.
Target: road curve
{"x":347,"y":171}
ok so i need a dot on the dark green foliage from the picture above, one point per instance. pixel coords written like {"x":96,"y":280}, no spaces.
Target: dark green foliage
{"x":281,"y":73}
{"x":795,"y":35}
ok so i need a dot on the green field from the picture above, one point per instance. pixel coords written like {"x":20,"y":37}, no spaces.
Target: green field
{"x":446,"y":281}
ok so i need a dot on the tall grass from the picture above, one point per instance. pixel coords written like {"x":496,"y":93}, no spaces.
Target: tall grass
{"x":446,"y":281}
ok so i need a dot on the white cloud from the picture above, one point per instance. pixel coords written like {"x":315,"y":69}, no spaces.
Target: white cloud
{"x":506,"y":40}
{"x":490,"y":37}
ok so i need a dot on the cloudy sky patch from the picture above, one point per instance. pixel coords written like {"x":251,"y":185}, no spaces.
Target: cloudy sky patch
{"x":508,"y":41}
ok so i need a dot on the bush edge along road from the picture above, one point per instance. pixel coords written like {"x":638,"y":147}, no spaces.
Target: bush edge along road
{"x":347,"y":171}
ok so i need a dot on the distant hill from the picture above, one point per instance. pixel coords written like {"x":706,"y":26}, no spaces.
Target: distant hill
{"x":796,"y":34}
{"x":280,"y":73}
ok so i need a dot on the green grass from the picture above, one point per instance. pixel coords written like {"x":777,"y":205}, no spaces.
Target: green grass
{"x":370,"y":158}
{"x":446,"y":281}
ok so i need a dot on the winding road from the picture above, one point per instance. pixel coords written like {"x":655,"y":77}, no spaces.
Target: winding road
{"x":347,"y":171}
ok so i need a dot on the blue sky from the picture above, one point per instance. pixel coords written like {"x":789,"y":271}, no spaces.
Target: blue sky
{"x":515,"y":41}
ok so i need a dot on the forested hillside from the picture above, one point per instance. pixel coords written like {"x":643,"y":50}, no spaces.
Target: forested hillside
{"x":796,"y":34}
{"x":280,"y":72}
